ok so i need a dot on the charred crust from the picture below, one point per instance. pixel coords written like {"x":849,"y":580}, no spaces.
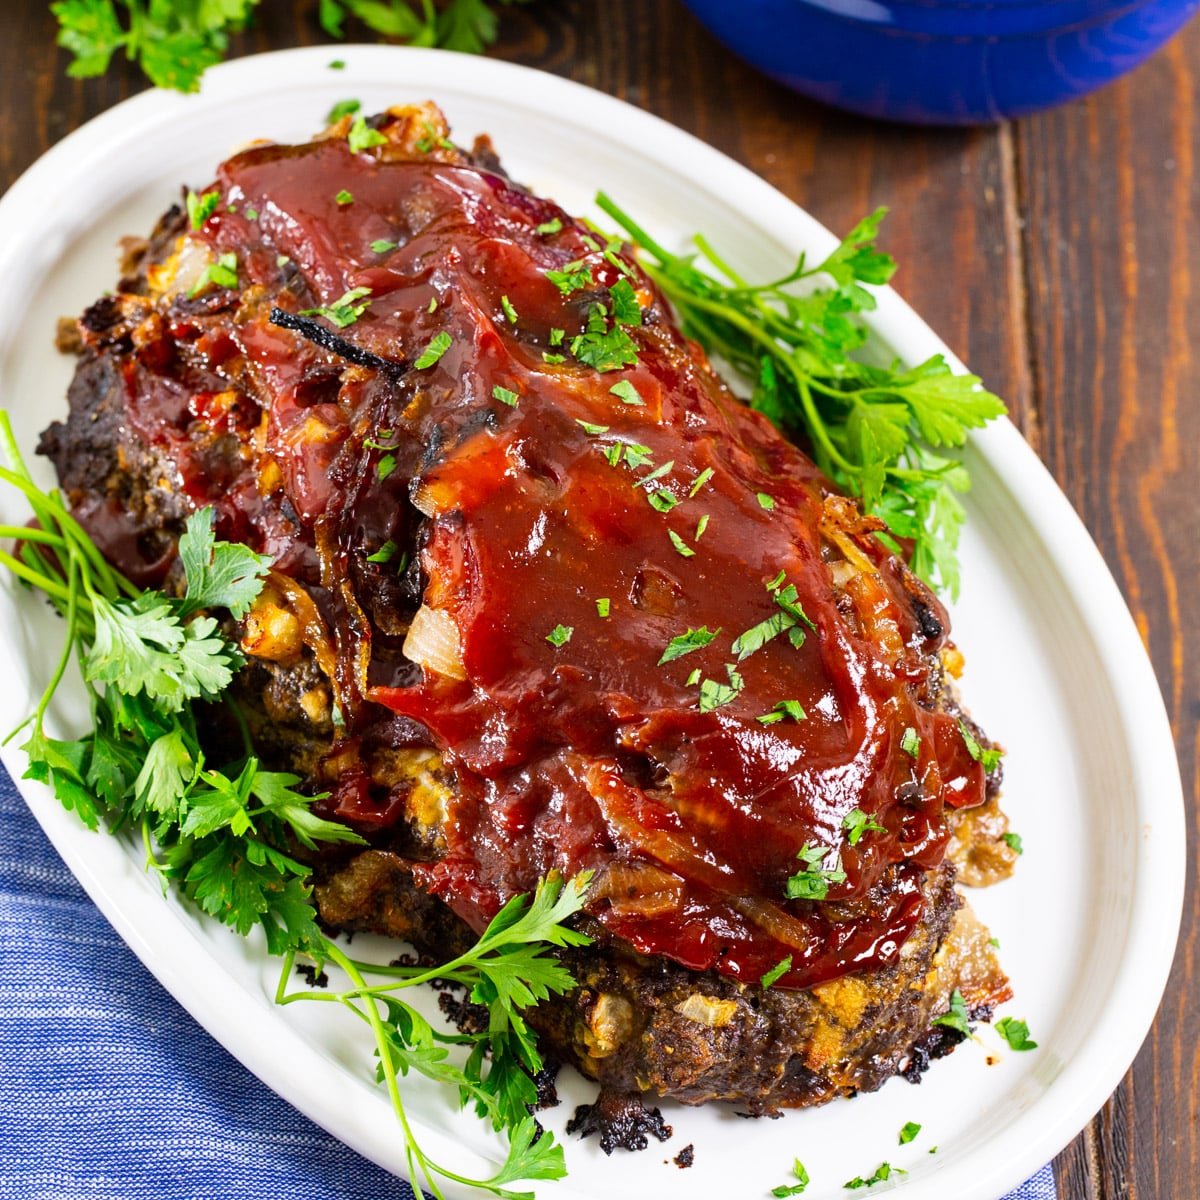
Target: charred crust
{"x":620,"y":1120}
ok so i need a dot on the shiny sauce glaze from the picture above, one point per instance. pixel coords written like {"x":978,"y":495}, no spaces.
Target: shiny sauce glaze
{"x":569,"y":532}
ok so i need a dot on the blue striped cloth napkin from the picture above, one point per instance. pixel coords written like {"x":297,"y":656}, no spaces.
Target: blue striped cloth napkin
{"x":110,"y":1091}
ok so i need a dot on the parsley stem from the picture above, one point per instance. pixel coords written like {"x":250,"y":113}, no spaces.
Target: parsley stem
{"x":42,"y":582}
{"x":68,"y":645}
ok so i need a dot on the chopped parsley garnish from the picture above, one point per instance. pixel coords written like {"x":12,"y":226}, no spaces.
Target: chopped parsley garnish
{"x":785,"y":708}
{"x":856,"y":823}
{"x":601,"y":347}
{"x":436,"y":347}
{"x":588,"y":427}
{"x":362,"y":137}
{"x":627,"y":393}
{"x":910,"y":743}
{"x":685,"y":643}
{"x":765,"y":501}
{"x":1015,"y":1033}
{"x":560,"y":635}
{"x":1013,"y":842}
{"x":813,"y":880}
{"x":681,"y":547}
{"x":788,"y":599}
{"x":883,"y":1172}
{"x":572,"y":278}
{"x":344,"y":197}
{"x":693,"y":678}
{"x":777,"y":972}
{"x":989,"y":759}
{"x":757,"y":636}
{"x":625,"y":307}
{"x":777,"y":582}
{"x":343,"y":108}
{"x":386,"y":465}
{"x":700,"y":481}
{"x":282,"y":260}
{"x":637,"y":456}
{"x":603,"y":606}
{"x":505,"y":396}
{"x":252,"y":214}
{"x":345,"y":310}
{"x":554,"y":225}
{"x":509,"y":311}
{"x":955,"y":1017}
{"x":657,"y":473}
{"x":336,"y":64}
{"x":908,"y":1132}
{"x":223,"y":274}
{"x":714,"y":694}
{"x":556,"y":336}
{"x":553,"y":359}
{"x":200,"y":208}
{"x":384,"y":554}
{"x":382,"y":246}
{"x":662,"y":500}
{"x":433,"y":138}
{"x":794,"y":1189}
{"x":701,"y":526}
{"x":431,"y":307}
{"x":994,"y":942}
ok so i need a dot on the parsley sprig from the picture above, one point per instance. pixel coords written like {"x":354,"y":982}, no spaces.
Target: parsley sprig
{"x":176,"y":41}
{"x":880,"y":432}
{"x":227,"y":833}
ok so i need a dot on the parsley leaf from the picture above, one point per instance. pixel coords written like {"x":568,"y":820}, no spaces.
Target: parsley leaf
{"x":345,"y":310}
{"x":223,"y":273}
{"x":989,"y":759}
{"x":777,"y":972}
{"x":560,"y":635}
{"x":1016,"y":1033}
{"x":436,"y":347}
{"x":200,"y":208}
{"x":505,"y":396}
{"x":813,"y":880}
{"x":363,"y":137}
{"x":226,"y":575}
{"x":856,"y":823}
{"x":343,"y":108}
{"x":1013,"y":841}
{"x":956,"y":1016}
{"x":627,"y":393}
{"x":909,"y":1132}
{"x":573,"y":277}
{"x":685,"y":643}
{"x":801,"y":1175}
{"x":882,"y":1173}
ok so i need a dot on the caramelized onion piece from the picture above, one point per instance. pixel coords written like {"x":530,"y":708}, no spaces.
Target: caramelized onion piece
{"x":432,"y":642}
{"x":638,"y":889}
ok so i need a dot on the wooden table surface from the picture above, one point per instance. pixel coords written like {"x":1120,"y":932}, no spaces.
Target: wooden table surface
{"x":1058,"y":256}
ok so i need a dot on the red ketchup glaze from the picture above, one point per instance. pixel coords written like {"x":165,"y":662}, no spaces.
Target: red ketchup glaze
{"x":589,"y":754}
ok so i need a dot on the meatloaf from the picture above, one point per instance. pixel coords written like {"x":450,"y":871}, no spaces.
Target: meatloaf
{"x":547,"y":596}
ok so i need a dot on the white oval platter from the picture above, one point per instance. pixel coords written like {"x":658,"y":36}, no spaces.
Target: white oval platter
{"x":1055,"y":668}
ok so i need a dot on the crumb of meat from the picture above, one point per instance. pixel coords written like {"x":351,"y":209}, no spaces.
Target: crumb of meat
{"x":312,"y":976}
{"x":544,"y":1081}
{"x":686,"y":1156}
{"x":620,"y":1120}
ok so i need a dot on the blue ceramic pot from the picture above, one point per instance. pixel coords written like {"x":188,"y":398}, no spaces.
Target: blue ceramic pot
{"x":946,"y":62}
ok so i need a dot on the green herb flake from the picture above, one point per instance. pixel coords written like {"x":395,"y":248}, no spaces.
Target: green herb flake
{"x":505,"y":396}
{"x":553,"y":359}
{"x":776,"y":973}
{"x":685,"y":643}
{"x":556,"y":336}
{"x":813,"y":880}
{"x":883,"y":1172}
{"x":560,"y":635}
{"x":589,"y":428}
{"x":336,"y":64}
{"x":431,"y":307}
{"x":714,"y":694}
{"x":382,"y":246}
{"x":693,"y":678}
{"x":856,"y":823}
{"x":701,"y":526}
{"x":699,"y":482}
{"x":343,"y":108}
{"x":765,"y":501}
{"x":252,"y":214}
{"x":994,"y":942}
{"x":757,"y":636}
{"x":637,"y":456}
{"x":910,"y":743}
{"x":799,"y":1173}
{"x":436,"y":347}
{"x":681,"y":547}
{"x":345,"y":310}
{"x":573,"y":277}
{"x":627,"y":393}
{"x":603,"y":607}
{"x":989,"y":759}
{"x":1015,"y":1033}
{"x":344,"y":197}
{"x":509,"y":311}
{"x":200,"y":208}
{"x":385,"y":467}
{"x":546,"y":228}
{"x":362,"y":137}
{"x":282,"y":260}
{"x":223,"y":274}
{"x":657,"y":473}
{"x":1013,"y":842}
{"x":908,"y":1132}
{"x":384,"y":554}
{"x":604,"y":349}
{"x":625,"y":307}
{"x":662,"y":500}
{"x":956,"y":1016}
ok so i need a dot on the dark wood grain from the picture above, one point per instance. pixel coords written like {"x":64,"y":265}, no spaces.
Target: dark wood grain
{"x":1059,"y":256}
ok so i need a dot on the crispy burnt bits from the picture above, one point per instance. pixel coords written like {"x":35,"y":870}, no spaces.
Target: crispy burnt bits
{"x":546,"y":597}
